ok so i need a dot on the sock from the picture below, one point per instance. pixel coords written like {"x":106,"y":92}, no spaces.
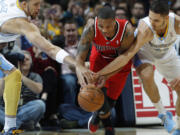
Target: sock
{"x":107,"y":122}
{"x":159,"y":106}
{"x":178,"y":122}
{"x":9,"y":123}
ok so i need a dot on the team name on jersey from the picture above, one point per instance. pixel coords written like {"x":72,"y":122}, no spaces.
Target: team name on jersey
{"x":161,"y":47}
{"x":105,"y":48}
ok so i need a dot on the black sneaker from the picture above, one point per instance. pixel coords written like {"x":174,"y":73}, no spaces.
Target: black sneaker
{"x":93,"y":123}
{"x":109,"y":131}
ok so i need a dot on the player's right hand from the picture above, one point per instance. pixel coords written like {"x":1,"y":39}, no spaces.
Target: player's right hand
{"x":85,"y":76}
{"x":101,"y":81}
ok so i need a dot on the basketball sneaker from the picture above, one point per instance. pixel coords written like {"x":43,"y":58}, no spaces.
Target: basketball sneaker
{"x":109,"y":131}
{"x":93,"y":123}
{"x":12,"y":131}
{"x":167,"y":121}
{"x":176,"y":132}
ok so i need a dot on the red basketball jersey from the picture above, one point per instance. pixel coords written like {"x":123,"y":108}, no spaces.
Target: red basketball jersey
{"x":109,"y":48}
{"x":103,"y":52}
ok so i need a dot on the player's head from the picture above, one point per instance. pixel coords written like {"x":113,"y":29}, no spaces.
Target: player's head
{"x":158,"y":14}
{"x":31,"y":7}
{"x":106,"y":21}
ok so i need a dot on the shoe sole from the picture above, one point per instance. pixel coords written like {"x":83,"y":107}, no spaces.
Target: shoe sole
{"x":89,"y":124}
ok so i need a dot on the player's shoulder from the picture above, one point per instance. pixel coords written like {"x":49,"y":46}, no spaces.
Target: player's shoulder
{"x":90,"y":22}
{"x":89,"y":27}
{"x":144,"y":29}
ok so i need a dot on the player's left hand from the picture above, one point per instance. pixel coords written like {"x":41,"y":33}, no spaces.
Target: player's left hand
{"x":175,"y":84}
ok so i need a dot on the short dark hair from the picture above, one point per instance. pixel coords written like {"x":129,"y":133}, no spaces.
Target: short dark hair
{"x":106,"y":12}
{"x":160,"y":7}
{"x":70,"y":21}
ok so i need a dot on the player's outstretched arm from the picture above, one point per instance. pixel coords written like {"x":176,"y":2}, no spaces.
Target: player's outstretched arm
{"x":84,"y":74}
{"x":144,"y":35}
{"x":23,"y":27}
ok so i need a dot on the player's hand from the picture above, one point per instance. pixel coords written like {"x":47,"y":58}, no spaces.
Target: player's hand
{"x":175,"y":84}
{"x":100,"y":81}
{"x":89,"y":86}
{"x":85,"y":76}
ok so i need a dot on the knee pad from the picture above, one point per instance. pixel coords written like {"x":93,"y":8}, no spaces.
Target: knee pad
{"x":12,"y":91}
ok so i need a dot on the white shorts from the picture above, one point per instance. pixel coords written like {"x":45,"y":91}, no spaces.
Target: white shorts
{"x":168,"y":65}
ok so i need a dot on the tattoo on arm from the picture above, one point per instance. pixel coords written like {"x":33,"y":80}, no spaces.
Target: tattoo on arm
{"x":86,"y":38}
{"x":128,"y":37}
{"x":129,"y":31}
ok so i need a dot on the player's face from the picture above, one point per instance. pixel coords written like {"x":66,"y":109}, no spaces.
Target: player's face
{"x":107,"y":27}
{"x":157,"y":21}
{"x":33,"y":7}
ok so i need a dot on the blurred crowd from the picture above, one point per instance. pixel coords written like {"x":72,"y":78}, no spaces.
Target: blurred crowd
{"x":49,"y":90}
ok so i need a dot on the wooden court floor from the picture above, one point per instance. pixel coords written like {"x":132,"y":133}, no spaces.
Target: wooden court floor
{"x":119,"y":131}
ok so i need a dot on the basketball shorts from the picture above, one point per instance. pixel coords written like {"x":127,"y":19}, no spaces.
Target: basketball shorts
{"x":114,"y":84}
{"x":168,"y":65}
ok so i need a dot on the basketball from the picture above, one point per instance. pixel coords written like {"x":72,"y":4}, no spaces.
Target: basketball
{"x":90,"y":98}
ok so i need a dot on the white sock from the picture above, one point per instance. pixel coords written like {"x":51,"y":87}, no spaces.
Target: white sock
{"x":159,"y":106}
{"x":9,"y":123}
{"x":178,"y":122}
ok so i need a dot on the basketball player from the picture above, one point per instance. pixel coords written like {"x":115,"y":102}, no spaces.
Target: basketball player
{"x":13,"y":21}
{"x":155,"y":43}
{"x":109,"y":37}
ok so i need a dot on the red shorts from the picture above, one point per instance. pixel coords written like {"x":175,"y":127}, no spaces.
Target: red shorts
{"x":114,"y":84}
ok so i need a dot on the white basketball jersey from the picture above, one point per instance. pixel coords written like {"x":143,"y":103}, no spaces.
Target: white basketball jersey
{"x":160,"y":46}
{"x":9,"y":9}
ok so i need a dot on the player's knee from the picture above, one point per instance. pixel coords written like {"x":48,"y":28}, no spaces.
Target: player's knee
{"x":146,"y":76}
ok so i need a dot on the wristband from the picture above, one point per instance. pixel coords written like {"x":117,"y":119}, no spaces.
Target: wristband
{"x":61,"y":55}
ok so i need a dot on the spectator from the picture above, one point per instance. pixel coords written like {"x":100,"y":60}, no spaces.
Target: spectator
{"x":138,"y":12}
{"x":48,"y":69}
{"x":52,"y":20}
{"x":73,"y":116}
{"x":31,"y":108}
{"x":123,"y":4}
{"x":68,"y":73}
{"x":75,"y":11}
{"x":121,"y":13}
